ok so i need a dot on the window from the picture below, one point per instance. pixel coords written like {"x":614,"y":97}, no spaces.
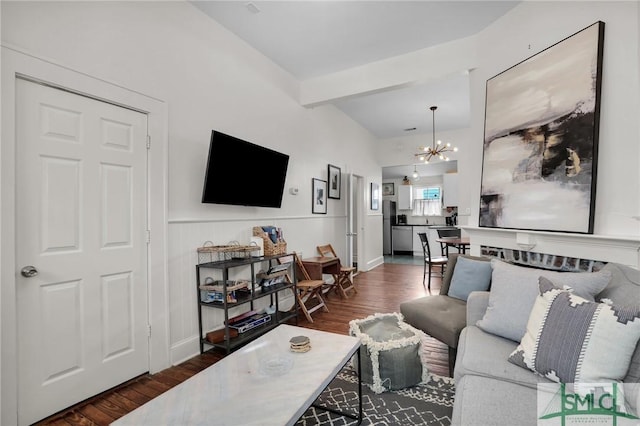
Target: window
{"x":427,"y":201}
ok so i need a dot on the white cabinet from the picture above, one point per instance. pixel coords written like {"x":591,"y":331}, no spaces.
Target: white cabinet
{"x":433,"y":244}
{"x":432,"y":234}
{"x":405,"y":197}
{"x":417,"y":245}
{"x":450,"y":189}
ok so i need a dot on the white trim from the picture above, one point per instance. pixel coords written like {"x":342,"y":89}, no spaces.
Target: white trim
{"x":608,"y":248}
{"x":250,"y":219}
{"x":16,"y":63}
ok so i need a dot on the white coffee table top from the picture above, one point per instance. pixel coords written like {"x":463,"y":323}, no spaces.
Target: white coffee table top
{"x":238,"y":390}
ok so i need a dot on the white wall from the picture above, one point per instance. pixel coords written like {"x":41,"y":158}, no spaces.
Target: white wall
{"x":525,"y":30}
{"x":210,"y":80}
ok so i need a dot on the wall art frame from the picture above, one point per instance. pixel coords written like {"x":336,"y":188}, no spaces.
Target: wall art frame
{"x":540,"y":150}
{"x":375,"y":196}
{"x":334,"y":178}
{"x":319,"y":196}
{"x":388,"y":189}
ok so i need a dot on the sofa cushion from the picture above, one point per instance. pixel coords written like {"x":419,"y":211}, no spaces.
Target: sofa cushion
{"x":441,"y":317}
{"x":572,"y":340}
{"x":469,"y":275}
{"x":492,"y":402}
{"x":514,"y":290}
{"x":485,"y":354}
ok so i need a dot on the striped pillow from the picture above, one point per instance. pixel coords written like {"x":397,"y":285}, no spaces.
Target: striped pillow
{"x":572,"y":340}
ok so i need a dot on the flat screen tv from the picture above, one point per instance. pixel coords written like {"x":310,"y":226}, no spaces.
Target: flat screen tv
{"x":231,"y":160}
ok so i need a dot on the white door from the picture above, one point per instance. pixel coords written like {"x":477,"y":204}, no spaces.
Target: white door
{"x":352,"y":219}
{"x":81,"y":224}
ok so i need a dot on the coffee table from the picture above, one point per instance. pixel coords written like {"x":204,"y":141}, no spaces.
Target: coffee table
{"x":261,"y":383}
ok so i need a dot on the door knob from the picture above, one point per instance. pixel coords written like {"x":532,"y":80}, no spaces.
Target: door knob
{"x":29,"y":271}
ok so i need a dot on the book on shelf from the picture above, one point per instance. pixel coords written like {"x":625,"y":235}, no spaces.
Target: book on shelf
{"x":218,"y":285}
{"x":250,"y":322}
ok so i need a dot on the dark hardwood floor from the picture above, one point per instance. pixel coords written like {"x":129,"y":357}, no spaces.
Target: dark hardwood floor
{"x":379,"y":290}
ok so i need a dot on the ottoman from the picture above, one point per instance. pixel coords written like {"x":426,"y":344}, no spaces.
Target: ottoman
{"x":391,"y":352}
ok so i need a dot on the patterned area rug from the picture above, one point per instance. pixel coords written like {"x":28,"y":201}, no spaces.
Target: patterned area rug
{"x":429,"y":403}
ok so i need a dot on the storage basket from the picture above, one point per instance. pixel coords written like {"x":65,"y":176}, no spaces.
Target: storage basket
{"x":233,"y":250}
{"x":270,"y":248}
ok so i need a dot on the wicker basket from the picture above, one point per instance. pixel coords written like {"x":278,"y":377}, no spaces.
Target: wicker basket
{"x":210,"y":253}
{"x":270,"y":248}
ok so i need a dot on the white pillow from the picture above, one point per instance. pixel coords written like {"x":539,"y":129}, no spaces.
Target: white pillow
{"x":514,"y":290}
{"x":572,"y":340}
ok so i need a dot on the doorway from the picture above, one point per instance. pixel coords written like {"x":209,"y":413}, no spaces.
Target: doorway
{"x":354,"y":219}
{"x":17,"y":65}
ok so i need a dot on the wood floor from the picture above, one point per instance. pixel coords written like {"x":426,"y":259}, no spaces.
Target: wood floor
{"x":379,"y":290}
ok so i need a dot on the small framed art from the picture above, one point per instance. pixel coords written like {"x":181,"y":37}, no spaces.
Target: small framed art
{"x":333,"y":176}
{"x":388,"y":189}
{"x":319,"y":200}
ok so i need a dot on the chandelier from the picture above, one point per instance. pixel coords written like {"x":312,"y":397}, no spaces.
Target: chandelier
{"x":437,"y":148}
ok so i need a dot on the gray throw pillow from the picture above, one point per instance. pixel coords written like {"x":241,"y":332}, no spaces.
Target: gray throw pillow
{"x":469,"y":275}
{"x":514,"y":290}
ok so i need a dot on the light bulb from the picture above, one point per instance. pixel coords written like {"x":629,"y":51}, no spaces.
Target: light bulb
{"x":439,"y":142}
{"x":455,"y":149}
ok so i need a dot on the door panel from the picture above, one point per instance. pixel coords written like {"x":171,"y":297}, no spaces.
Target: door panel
{"x":81,"y":221}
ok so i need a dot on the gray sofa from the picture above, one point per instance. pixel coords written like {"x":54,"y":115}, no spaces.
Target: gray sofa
{"x":490,"y":390}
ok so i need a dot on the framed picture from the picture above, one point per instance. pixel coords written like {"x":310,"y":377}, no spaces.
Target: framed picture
{"x":388,"y":189}
{"x":375,"y":196}
{"x":319,"y":196}
{"x":334,"y":177}
{"x":540,"y":149}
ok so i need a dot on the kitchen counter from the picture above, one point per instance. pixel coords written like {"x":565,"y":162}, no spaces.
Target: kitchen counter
{"x":428,"y":226}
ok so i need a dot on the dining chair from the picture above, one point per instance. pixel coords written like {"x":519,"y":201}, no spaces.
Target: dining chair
{"x":431,"y":262}
{"x":343,"y":278}
{"x":306,"y":289}
{"x":444,"y":233}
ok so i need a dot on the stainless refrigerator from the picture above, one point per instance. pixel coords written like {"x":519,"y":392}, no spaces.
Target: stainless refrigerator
{"x":388,"y":220}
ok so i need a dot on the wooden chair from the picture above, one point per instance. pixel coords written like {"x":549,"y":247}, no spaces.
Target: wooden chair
{"x":306,"y":288}
{"x":443,"y":233}
{"x":342,"y":278}
{"x":430,"y":261}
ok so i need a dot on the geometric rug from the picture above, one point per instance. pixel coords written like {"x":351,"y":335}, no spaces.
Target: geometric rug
{"x":428,"y":403}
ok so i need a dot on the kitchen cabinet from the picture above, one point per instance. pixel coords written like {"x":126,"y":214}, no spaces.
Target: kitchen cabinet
{"x":450,"y":189}
{"x":405,"y":197}
{"x":432,"y":234}
{"x":417,"y":244}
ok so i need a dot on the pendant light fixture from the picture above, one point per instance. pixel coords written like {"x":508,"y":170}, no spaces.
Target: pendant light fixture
{"x":437,"y":149}
{"x":415,"y":174}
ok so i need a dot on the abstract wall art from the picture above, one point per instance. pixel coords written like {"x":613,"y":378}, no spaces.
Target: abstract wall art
{"x":541,"y":138}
